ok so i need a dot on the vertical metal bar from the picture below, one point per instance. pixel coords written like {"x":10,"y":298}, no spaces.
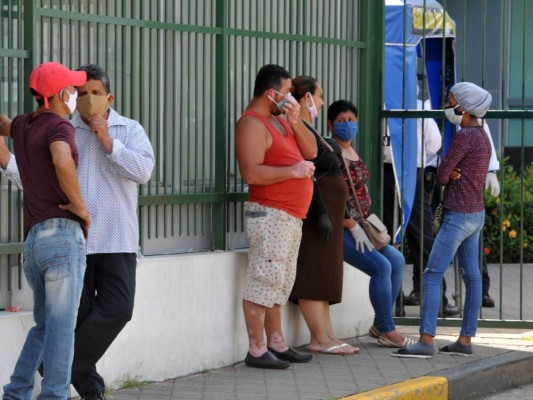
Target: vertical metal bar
{"x":142,"y":209}
{"x":175,"y":56}
{"x":443,"y":66}
{"x":463,"y":49}
{"x":154,"y":90}
{"x":483,"y":72}
{"x":370,"y":89}
{"x":421,"y":176}
{"x":221,"y":75}
{"x":145,"y":210}
{"x":30,"y":44}
{"x":522,"y":155}
{"x":505,"y":73}
{"x":183,"y":79}
{"x":160,"y":113}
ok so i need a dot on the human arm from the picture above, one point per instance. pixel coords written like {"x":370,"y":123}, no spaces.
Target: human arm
{"x":432,"y":137}
{"x":318,"y":208}
{"x":8,"y":165}
{"x":358,"y":234}
{"x":494,"y":164}
{"x":132,"y":157}
{"x":304,"y":137}
{"x":251,"y":143}
{"x":491,"y":181}
{"x":68,"y":180}
{"x":5,"y":154}
{"x":448,"y":166}
{"x":492,"y":184}
{"x":5,"y":126}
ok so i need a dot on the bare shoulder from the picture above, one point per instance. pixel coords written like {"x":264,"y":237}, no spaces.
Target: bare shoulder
{"x":250,"y":128}
{"x":250,"y":123}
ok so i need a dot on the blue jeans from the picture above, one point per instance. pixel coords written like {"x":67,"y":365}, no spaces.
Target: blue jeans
{"x":459,"y":233}
{"x":54,"y":265}
{"x":385,"y":268}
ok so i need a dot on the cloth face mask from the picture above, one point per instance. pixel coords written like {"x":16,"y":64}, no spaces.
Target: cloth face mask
{"x":452,"y":116}
{"x":346,"y":130}
{"x":91,"y":104}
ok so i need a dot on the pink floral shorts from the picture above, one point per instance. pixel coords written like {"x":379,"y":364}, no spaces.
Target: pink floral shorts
{"x":274,"y":237}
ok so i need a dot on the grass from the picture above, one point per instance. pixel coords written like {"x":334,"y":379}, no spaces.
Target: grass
{"x":129,"y":383}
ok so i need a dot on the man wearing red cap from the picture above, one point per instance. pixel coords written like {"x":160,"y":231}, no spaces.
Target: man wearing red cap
{"x":55,"y":225}
{"x":115,"y":157}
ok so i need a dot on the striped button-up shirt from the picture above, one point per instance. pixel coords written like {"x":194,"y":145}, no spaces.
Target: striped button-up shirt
{"x":109,"y":182}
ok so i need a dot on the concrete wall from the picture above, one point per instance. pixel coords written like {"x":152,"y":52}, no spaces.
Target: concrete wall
{"x":188,"y":318}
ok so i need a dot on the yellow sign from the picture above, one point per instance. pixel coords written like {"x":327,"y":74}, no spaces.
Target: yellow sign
{"x":435,"y":20}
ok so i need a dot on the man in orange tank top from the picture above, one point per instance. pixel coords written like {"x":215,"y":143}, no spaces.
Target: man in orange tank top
{"x":272,"y":144}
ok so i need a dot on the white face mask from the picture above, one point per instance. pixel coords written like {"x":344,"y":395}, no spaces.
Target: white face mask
{"x":452,"y":117}
{"x":283,"y":101}
{"x":71,"y":103}
{"x":313,"y":112}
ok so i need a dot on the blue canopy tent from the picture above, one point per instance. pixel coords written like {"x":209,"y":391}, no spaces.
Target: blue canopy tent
{"x":404,"y":27}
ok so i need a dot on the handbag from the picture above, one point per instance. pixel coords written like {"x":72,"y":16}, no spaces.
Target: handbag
{"x":438,"y":215}
{"x":375,"y":230}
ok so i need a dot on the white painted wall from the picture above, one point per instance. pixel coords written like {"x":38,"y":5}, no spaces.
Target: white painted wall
{"x":188,"y":318}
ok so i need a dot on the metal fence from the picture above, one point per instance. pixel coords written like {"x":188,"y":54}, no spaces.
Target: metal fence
{"x":492,"y":48}
{"x":185,"y":70}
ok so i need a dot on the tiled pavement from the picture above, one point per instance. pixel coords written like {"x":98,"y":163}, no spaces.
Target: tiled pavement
{"x":332,"y":377}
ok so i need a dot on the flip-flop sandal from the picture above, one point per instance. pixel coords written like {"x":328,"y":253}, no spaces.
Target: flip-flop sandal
{"x":374,"y":332}
{"x":457,"y":349}
{"x":384,"y":342}
{"x":417,"y":350}
{"x":331,"y":350}
{"x":357,"y":349}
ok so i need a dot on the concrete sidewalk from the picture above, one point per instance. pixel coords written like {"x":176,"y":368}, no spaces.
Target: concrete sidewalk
{"x":503,"y":359}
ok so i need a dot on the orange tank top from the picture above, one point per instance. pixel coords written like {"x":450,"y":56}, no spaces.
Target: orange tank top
{"x":292,"y":195}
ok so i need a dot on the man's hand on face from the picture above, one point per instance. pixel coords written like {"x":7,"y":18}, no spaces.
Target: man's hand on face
{"x":292,"y":110}
{"x":98,"y":125}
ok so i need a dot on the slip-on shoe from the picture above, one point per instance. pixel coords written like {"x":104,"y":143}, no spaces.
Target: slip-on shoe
{"x":266,"y":360}
{"x":292,"y":355}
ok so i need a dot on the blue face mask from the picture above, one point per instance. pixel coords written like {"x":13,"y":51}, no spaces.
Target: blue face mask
{"x":346,"y":130}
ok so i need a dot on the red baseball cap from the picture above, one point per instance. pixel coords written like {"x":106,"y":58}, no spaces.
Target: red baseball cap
{"x":49,"y":78}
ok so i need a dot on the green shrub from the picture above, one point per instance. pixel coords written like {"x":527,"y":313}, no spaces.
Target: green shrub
{"x":503,"y":220}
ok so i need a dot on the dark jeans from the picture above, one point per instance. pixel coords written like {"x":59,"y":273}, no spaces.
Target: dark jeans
{"x":106,"y":306}
{"x":413,"y":233}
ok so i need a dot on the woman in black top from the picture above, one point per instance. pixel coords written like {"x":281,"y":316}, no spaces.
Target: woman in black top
{"x":320,"y":264}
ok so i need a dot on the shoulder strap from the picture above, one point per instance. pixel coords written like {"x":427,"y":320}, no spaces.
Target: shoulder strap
{"x":317,"y":135}
{"x":353,"y":188}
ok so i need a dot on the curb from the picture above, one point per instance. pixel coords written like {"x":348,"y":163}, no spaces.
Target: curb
{"x":489,"y":376}
{"x":470,"y":381}
{"x":423,"y":388}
